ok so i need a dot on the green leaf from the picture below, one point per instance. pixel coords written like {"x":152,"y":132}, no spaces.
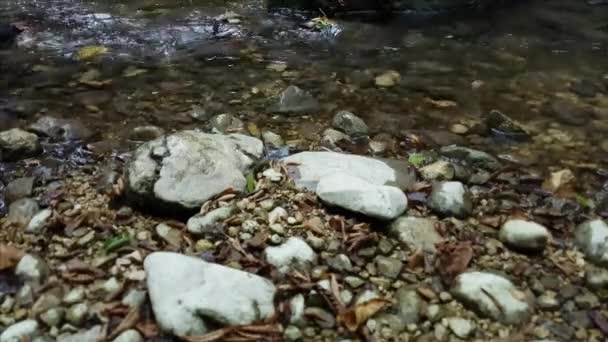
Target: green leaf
{"x":250,"y":183}
{"x":416,"y":159}
{"x":584,"y":201}
{"x":116,"y":242}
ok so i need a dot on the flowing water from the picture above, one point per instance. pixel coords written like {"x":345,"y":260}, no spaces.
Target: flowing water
{"x":173,"y":63}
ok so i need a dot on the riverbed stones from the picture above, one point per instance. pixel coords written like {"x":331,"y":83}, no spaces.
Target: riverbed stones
{"x":307,"y":169}
{"x":188,"y":294}
{"x":294,"y":254}
{"x":226,"y":123}
{"x":59,"y":129}
{"x":24,"y":330}
{"x":524,"y":235}
{"x":491,"y":295}
{"x":295,"y":101}
{"x":416,"y":232}
{"x":17,"y":144}
{"x":39,"y":221}
{"x":22,"y":211}
{"x":183,"y":170}
{"x":357,"y":195}
{"x":350,"y":124}
{"x":503,"y":126}
{"x":451,"y":199}
{"x":592,"y":239}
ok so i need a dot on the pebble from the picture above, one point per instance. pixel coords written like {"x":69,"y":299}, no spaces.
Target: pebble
{"x":272,"y":139}
{"x":388,"y":267}
{"x":409,"y":305}
{"x":76,"y":295}
{"x":596,"y":277}
{"x":39,"y":221}
{"x":294,"y":254}
{"x":22,"y":211}
{"x":592,"y":238}
{"x":277,"y":214}
{"x":292,"y":333}
{"x":439,"y":170}
{"x":171,"y":235}
{"x":18,"y":189}
{"x":548,"y":301}
{"x":130,"y":335}
{"x":388,"y":79}
{"x":587,"y":301}
{"x":451,"y":199}
{"x":459,"y":129}
{"x":273,"y":175}
{"x":77,"y":313}
{"x":353,"y":281}
{"x":340,"y":263}
{"x":524,"y":235}
{"x":18,"y":144}
{"x":53,"y":317}
{"x":209,"y":223}
{"x":32,"y":269}
{"x":463,"y":328}
{"x":133,"y":298}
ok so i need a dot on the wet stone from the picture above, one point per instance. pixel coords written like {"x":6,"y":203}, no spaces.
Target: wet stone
{"x":473,"y":157}
{"x":18,"y":144}
{"x":61,"y":129}
{"x":295,"y":101}
{"x":146,"y":133}
{"x":439,"y":170}
{"x":226,"y":123}
{"x":18,"y":189}
{"x":350,"y":124}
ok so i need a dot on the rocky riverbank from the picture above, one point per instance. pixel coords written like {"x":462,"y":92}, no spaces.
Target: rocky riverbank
{"x":202,"y":236}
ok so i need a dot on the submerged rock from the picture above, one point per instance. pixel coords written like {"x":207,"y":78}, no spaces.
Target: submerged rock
{"x":492,"y":296}
{"x":592,"y":238}
{"x":61,"y":129}
{"x":358,"y":195}
{"x":503,"y":126}
{"x":294,"y":100}
{"x":188,"y":294}
{"x":451,"y":199}
{"x":350,"y":124}
{"x":524,"y":235}
{"x":183,"y":170}
{"x":473,"y":157}
{"x":308,"y":168}
{"x":18,"y":144}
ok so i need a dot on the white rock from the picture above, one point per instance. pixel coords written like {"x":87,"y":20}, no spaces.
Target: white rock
{"x":209,"y":223}
{"x":297,"y":305}
{"x":277,"y":215}
{"x":492,"y":296}
{"x":76,"y":295}
{"x":38,"y":222}
{"x":592,"y":238}
{"x":20,"y":331}
{"x":356,"y":194}
{"x":293,"y":254}
{"x":96,"y":333}
{"x":272,"y":175}
{"x":451,"y":199}
{"x":130,"y":335}
{"x":524,"y":235}
{"x":185,"y":291}
{"x":307,"y":168}
{"x":32,"y":269}
{"x":461,"y":327}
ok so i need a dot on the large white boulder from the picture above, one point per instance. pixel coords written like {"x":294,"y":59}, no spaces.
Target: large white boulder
{"x":187,"y":293}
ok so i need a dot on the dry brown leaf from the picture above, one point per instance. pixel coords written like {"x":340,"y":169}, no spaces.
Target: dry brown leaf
{"x":148,"y":328}
{"x":9,"y":256}
{"x":127,"y":323}
{"x":238,"y":333}
{"x":357,"y":315}
{"x":454,"y":258}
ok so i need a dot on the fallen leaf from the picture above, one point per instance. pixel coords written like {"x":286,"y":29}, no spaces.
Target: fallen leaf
{"x":91,"y":52}
{"x":454,"y":258}
{"x":9,"y":256}
{"x":127,"y":323}
{"x":358,"y":314}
